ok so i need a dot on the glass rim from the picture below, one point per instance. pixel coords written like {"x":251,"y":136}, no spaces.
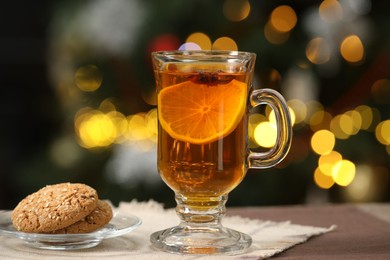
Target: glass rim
{"x":204,"y":53}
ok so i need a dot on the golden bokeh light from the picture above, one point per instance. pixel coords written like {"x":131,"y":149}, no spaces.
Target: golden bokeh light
{"x":352,"y":49}
{"x":136,"y":127}
{"x":356,"y":121}
{"x":370,"y":184}
{"x":253,"y":121}
{"x":142,"y":127}
{"x":151,"y":125}
{"x":358,"y":190}
{"x":292,"y":116}
{"x":343,"y":172}
{"x":265,"y":134}
{"x":336,"y":126}
{"x":366,"y":115}
{"x":120,"y":123}
{"x":236,"y":10}
{"x":201,"y":39}
{"x":224,"y":43}
{"x":322,"y":180}
{"x":331,"y":11}
{"x":327,"y":161}
{"x":107,"y":105}
{"x":320,"y":120}
{"x":382,"y":132}
{"x":318,"y":51}
{"x":88,"y":78}
{"x":380,"y":91}
{"x":274,"y":36}
{"x":346,"y":124}
{"x":283,"y":18}
{"x":313,"y":106}
{"x":299,"y":109}
{"x":272,"y":118}
{"x":376,"y":119}
{"x":322,"y":142}
{"x":141,"y":131}
{"x":96,"y":130}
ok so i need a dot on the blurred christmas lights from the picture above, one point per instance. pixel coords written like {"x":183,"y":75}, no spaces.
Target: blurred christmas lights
{"x":236,"y":10}
{"x":331,"y":36}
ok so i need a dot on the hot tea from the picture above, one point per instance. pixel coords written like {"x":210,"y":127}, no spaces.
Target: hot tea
{"x":201,"y":167}
{"x":203,"y":100}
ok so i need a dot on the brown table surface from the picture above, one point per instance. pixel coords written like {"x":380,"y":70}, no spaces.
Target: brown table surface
{"x":362,"y":232}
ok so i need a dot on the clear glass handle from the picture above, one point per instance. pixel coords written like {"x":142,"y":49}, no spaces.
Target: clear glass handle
{"x":262,"y":160}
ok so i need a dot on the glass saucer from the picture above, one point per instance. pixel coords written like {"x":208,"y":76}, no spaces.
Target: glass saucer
{"x":119,"y":225}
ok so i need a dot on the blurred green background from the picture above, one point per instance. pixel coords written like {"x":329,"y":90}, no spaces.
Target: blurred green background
{"x":78,"y":103}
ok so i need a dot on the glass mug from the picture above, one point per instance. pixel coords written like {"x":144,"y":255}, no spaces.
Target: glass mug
{"x":204,"y":99}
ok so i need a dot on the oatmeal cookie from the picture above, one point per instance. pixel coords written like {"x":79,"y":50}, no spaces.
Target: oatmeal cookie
{"x":54,"y":207}
{"x":98,"y":218}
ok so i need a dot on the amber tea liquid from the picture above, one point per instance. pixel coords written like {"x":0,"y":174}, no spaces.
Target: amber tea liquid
{"x":201,"y":172}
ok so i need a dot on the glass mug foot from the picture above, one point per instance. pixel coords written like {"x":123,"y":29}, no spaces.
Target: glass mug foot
{"x":200,"y":230}
{"x":198,"y":239}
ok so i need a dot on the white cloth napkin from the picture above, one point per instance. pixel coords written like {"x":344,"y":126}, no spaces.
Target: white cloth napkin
{"x":269,"y":238}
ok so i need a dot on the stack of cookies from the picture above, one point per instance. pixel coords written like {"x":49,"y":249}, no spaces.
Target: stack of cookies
{"x":65,"y":208}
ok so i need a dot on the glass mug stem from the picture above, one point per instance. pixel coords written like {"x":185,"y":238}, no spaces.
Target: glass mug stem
{"x":203,"y":115}
{"x":195,"y":212}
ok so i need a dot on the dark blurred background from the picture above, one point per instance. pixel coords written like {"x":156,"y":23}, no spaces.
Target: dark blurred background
{"x":77,"y":94}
